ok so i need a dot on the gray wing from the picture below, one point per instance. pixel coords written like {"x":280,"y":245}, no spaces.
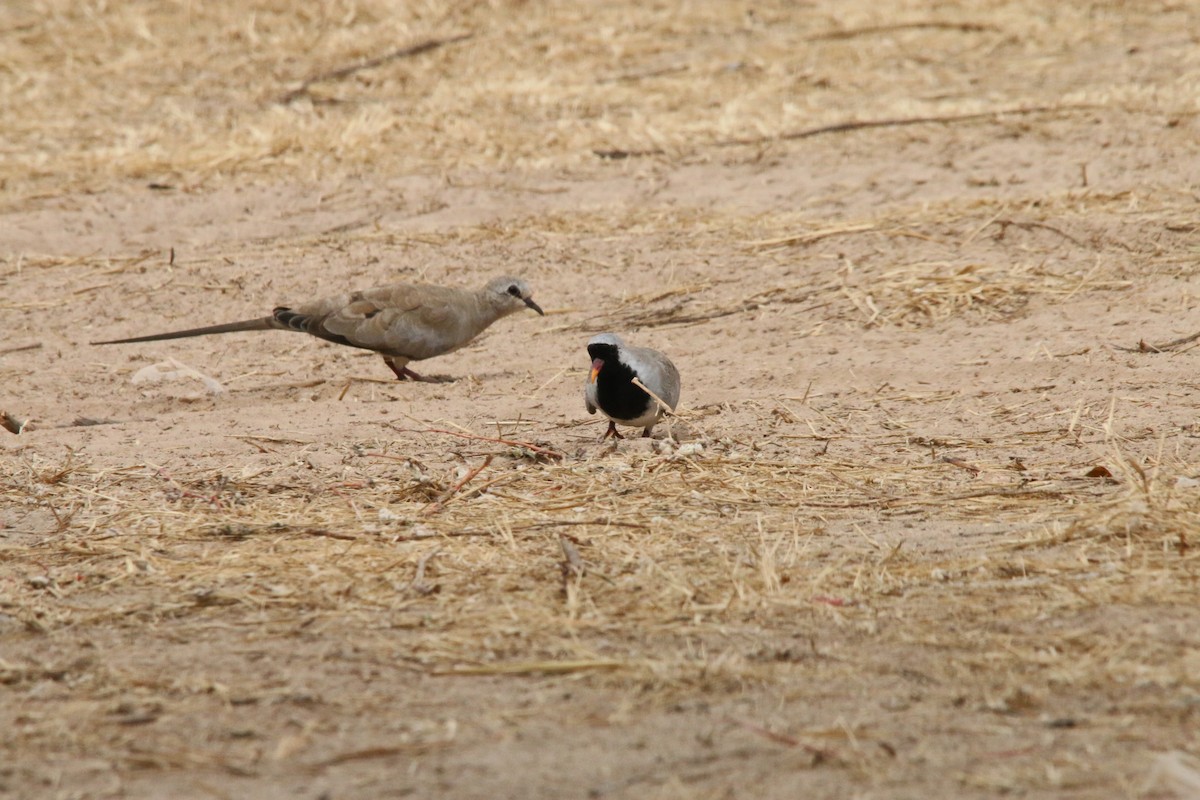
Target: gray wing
{"x":657,"y":372}
{"x":589,"y":396}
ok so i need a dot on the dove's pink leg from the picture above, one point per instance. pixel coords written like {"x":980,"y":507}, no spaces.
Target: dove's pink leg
{"x":406,"y":374}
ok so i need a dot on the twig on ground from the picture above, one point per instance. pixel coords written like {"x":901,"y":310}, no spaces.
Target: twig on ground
{"x":891,"y":502}
{"x":345,"y":537}
{"x":572,"y":564}
{"x":1005,"y":223}
{"x":535,"y":667}
{"x":418,"y":584}
{"x":510,"y":442}
{"x":535,"y":525}
{"x":20,"y":348}
{"x":440,"y":503}
{"x":487,"y":532}
{"x":809,"y":237}
{"x":870,"y":30}
{"x":961,"y":464}
{"x":617,"y":154}
{"x":422,"y":535}
{"x":1145,"y":347}
{"x":899,"y":122}
{"x":628,"y":77}
{"x":817,"y":753}
{"x":414,"y":748}
{"x":572,"y":572}
{"x":369,"y":63}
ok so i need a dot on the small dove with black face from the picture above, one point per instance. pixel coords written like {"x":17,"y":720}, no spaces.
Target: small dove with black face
{"x":610,"y":386}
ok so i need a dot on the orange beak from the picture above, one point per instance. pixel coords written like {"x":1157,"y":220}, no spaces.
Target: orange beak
{"x":596,"y":365}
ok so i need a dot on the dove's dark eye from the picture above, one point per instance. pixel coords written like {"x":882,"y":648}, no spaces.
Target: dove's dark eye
{"x":514,"y":291}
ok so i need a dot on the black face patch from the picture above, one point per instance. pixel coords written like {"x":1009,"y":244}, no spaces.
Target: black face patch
{"x":615,"y":393}
{"x":514,"y":290}
{"x":605,"y":352}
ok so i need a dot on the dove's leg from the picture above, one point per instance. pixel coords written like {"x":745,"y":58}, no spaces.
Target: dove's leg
{"x":403,"y":373}
{"x":612,"y":431}
{"x":407,"y":374}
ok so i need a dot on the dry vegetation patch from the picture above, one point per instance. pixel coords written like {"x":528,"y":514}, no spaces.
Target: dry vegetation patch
{"x":928,"y":523}
{"x":654,"y":575}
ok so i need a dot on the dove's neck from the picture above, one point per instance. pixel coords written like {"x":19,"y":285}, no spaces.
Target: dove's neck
{"x":483,"y":313}
{"x":488,"y":310}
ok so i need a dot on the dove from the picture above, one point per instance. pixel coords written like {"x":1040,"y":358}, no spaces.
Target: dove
{"x":402,"y":322}
{"x":610,"y":386}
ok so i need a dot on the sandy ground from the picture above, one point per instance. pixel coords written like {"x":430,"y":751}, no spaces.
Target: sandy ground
{"x":925,"y":526}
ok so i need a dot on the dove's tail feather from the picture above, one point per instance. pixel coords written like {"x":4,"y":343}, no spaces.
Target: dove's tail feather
{"x":260,"y":324}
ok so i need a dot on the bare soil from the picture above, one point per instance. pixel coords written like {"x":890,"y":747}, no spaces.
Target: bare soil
{"x":925,"y":526}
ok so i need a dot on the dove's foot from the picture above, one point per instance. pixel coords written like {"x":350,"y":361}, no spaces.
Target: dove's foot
{"x":406,"y":374}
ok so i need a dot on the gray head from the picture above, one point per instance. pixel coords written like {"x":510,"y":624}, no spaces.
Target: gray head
{"x":606,"y":339}
{"x":509,"y":295}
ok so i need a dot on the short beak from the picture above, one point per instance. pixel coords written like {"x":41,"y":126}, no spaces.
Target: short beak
{"x":529,"y":302}
{"x":596,"y":365}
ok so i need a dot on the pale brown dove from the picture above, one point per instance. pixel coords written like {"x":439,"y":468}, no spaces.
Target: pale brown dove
{"x":403,"y":322}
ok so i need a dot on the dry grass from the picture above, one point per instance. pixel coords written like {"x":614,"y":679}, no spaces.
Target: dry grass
{"x":665,"y":572}
{"x":193,"y":94}
{"x":939,"y":572}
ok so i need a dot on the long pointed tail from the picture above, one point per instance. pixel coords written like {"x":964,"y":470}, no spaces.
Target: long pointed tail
{"x":261,"y":324}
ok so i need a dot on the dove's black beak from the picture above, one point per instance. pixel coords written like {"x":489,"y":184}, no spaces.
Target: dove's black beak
{"x":529,"y":302}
